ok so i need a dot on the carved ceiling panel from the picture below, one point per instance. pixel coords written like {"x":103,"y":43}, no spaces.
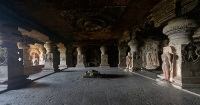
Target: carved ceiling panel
{"x":93,"y":19}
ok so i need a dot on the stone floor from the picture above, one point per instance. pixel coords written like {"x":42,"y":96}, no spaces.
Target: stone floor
{"x":115,"y":88}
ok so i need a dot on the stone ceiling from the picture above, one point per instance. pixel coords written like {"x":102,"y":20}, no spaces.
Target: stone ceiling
{"x":84,"y":20}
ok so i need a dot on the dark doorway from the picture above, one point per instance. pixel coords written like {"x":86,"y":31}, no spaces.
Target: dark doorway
{"x":93,"y":56}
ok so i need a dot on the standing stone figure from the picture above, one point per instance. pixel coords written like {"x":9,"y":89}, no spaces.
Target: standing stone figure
{"x":128,"y":61}
{"x":167,"y":65}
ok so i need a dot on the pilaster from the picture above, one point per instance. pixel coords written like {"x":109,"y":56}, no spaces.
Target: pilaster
{"x":135,"y":63}
{"x":51,"y":63}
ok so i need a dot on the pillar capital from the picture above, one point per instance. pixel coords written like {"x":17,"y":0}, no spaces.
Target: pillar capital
{"x":104,"y":57}
{"x":103,"y":49}
{"x":133,"y":45}
{"x":79,"y":49}
{"x":180,"y":30}
{"x":48,"y":47}
{"x":62,"y":50}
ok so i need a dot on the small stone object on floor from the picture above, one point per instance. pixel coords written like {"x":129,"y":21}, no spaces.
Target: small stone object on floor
{"x":92,"y":74}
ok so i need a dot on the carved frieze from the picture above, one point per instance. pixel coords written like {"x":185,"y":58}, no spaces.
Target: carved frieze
{"x":168,"y":9}
{"x":191,"y":60}
{"x":191,"y":53}
{"x":163,"y":11}
{"x":93,"y":19}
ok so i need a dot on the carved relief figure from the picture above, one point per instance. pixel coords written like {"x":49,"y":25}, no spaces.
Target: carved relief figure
{"x":167,"y":64}
{"x":49,"y":57}
{"x":80,"y":59}
{"x":150,"y":55}
{"x":128,"y":61}
{"x":104,"y":58}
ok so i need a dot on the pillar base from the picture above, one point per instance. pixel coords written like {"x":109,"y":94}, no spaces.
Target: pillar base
{"x":80,"y":66}
{"x":122,"y":66}
{"x":104,"y":66}
{"x":189,"y":82}
{"x":50,"y":69}
{"x":48,"y":66}
{"x":62,"y":66}
{"x":17,"y":81}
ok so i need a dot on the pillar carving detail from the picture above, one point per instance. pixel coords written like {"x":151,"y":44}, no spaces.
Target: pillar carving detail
{"x":150,"y":52}
{"x":80,"y":57}
{"x":48,"y":65}
{"x":11,"y":63}
{"x":180,"y":30}
{"x":62,"y":50}
{"x":104,"y":57}
{"x":130,"y":61}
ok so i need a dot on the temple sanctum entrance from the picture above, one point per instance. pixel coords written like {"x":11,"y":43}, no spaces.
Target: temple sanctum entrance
{"x":93,"y":56}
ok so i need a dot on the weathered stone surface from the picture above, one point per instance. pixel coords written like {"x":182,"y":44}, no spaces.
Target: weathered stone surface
{"x":48,"y":65}
{"x":62,"y":50}
{"x":150,"y":54}
{"x":180,"y":30}
{"x":126,"y":89}
{"x":104,"y":57}
{"x":92,"y":74}
{"x":122,"y":55}
{"x":80,"y":57}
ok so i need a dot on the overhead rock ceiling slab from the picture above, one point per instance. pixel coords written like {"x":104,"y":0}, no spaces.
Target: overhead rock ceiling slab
{"x":93,"y":19}
{"x":84,"y":20}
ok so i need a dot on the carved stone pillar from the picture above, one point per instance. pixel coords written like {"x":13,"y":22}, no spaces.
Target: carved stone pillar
{"x":80,"y":58}
{"x":50,"y":60}
{"x":25,"y":47}
{"x":11,"y":66}
{"x":62,"y":50}
{"x":42,"y":53}
{"x":69,"y":56}
{"x":185,"y":62}
{"x":180,"y":30}
{"x":122,"y":56}
{"x":133,"y":44}
{"x":104,"y":57}
{"x":56,"y":57}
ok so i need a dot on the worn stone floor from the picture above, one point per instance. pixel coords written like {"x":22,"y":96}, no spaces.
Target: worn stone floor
{"x":116,"y":88}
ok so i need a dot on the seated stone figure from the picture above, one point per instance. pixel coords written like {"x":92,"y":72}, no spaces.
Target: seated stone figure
{"x":128,"y":61}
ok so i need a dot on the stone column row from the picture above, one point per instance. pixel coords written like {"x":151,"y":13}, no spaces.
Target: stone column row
{"x":81,"y":59}
{"x":52,"y":57}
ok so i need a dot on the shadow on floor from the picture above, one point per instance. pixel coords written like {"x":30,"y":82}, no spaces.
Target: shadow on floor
{"x":114,"y":76}
{"x":72,"y":71}
{"x":33,"y":70}
{"x":30,"y":85}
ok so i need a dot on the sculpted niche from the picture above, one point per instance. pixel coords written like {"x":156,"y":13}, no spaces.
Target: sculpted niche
{"x":150,"y":54}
